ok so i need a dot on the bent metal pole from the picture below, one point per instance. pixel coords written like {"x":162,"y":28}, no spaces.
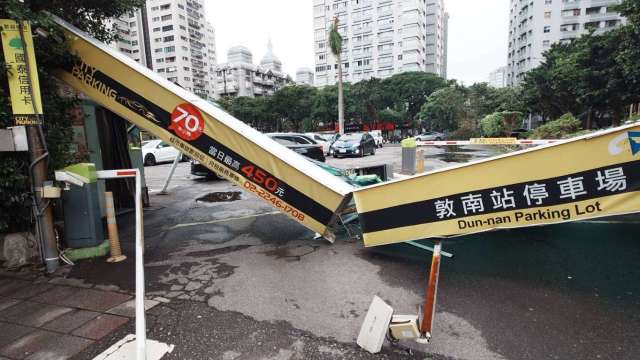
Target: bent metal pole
{"x":429,"y":307}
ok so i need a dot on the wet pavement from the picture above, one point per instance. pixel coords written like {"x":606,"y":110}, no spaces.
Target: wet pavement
{"x":237,"y":280}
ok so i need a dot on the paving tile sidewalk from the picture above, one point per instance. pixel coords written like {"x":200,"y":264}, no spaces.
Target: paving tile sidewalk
{"x":42,"y":318}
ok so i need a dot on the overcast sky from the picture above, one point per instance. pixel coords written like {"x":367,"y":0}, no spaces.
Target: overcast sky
{"x":477,"y":33}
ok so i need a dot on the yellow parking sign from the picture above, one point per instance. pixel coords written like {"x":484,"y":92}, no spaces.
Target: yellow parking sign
{"x":22,"y":73}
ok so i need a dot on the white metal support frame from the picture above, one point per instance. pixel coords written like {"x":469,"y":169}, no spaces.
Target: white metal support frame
{"x":170,"y":176}
{"x":141,"y":324}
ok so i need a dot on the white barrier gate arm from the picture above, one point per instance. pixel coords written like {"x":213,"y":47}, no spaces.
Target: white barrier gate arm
{"x":141,"y":324}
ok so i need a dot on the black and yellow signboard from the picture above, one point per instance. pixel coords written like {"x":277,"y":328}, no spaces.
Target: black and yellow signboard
{"x":592,"y":176}
{"x":24,"y":88}
{"x":205,"y":132}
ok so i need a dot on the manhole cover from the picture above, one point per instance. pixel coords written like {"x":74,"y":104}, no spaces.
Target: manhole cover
{"x":220,"y":197}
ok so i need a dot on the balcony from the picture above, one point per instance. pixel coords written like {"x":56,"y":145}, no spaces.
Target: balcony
{"x":193,"y":5}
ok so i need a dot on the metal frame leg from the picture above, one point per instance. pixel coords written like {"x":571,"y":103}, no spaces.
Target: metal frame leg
{"x":429,"y":307}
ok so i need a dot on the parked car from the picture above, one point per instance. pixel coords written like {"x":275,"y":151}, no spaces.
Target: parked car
{"x":198,"y":169}
{"x":377,"y":136}
{"x":157,"y":151}
{"x":358,"y":144}
{"x":301,"y":144}
{"x":431,"y":136}
{"x":320,"y":139}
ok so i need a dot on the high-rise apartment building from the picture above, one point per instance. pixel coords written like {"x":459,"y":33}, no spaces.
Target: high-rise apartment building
{"x":304,"y":76}
{"x":173,"y":39}
{"x":535,"y":25}
{"x":130,"y":36}
{"x":381,"y":38}
{"x":498,"y":77}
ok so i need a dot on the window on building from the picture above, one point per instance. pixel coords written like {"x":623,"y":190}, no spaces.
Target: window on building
{"x":165,"y":17}
{"x":168,"y":38}
{"x":547,"y":14}
{"x":157,"y":40}
{"x":571,"y":12}
{"x":158,"y":50}
{"x":546,"y":43}
{"x":172,"y":79}
{"x":547,"y":29}
{"x":186,"y":78}
{"x":180,"y":6}
{"x":161,"y":60}
{"x":169,"y":49}
{"x":156,"y":29}
{"x":167,"y":28}
{"x":160,"y":70}
{"x":155,"y":8}
{"x":155,"y":18}
{"x":548,"y":2}
{"x":165,"y":7}
{"x":170,"y":59}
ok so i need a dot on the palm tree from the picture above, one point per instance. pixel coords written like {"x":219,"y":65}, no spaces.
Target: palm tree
{"x":335,"y":43}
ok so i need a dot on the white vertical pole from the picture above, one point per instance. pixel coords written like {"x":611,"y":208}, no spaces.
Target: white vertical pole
{"x":173,"y":169}
{"x":141,"y":329}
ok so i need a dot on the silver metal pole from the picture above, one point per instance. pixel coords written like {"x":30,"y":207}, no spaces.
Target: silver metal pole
{"x":173,"y":169}
{"x":141,"y":329}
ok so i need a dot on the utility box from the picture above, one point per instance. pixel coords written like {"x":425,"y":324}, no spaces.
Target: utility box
{"x":82,"y":215}
{"x":409,"y":147}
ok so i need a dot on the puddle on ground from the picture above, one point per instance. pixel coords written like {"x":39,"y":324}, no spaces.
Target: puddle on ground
{"x":220,"y":197}
{"x":455,"y":157}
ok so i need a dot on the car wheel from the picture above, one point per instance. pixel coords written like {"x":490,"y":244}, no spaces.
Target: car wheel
{"x":438,"y":139}
{"x":373,"y":150}
{"x":362,"y":152}
{"x":149,"y":160}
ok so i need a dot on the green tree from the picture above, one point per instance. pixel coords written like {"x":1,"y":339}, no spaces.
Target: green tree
{"x":444,"y":109}
{"x":335,"y":43}
{"x":369,"y":98}
{"x":410,"y":90}
{"x":15,"y":197}
{"x":292,"y":104}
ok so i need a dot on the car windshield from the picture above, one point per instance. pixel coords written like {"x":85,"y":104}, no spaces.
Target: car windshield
{"x":149,"y":143}
{"x":350,"y":137}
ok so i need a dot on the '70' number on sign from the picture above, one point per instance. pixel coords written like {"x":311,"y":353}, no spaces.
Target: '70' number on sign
{"x":187,"y":122}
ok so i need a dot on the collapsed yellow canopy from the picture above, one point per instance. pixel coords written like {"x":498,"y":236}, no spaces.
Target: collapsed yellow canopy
{"x":591,"y":176}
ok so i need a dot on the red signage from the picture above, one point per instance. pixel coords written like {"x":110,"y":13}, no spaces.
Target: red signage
{"x":187,"y":122}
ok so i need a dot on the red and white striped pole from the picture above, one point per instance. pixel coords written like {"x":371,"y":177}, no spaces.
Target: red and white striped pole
{"x":141,"y":325}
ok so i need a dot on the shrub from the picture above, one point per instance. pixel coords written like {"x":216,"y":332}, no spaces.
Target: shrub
{"x":492,"y":125}
{"x":561,"y":127}
{"x":500,"y":123}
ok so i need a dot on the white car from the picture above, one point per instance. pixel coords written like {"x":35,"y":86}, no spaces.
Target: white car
{"x":431,"y":136}
{"x":377,"y":136}
{"x":157,"y":151}
{"x":320,"y":139}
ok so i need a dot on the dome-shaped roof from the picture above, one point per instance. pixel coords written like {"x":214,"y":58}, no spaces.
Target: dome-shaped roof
{"x":270,"y":59}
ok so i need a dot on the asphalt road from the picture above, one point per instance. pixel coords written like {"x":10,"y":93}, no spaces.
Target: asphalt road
{"x":245,"y":282}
